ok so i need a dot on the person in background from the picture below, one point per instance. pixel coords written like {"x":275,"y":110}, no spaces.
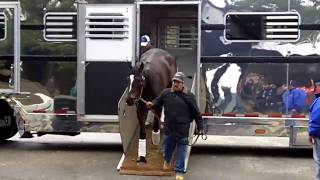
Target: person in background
{"x":180,"y":109}
{"x":314,"y":127}
{"x":145,"y":43}
{"x":294,"y":100}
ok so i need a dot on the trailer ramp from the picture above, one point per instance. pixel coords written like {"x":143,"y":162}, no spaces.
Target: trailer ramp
{"x":129,"y":132}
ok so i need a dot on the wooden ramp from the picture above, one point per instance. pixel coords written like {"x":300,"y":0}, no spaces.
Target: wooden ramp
{"x":154,"y":164}
{"x":128,"y":126}
{"x":129,"y":131}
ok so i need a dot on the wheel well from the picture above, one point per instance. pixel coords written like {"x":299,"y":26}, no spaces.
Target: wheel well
{"x":7,"y":132}
{"x":5,"y":108}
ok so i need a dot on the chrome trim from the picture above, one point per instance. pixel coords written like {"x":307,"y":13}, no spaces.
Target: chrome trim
{"x":99,"y":118}
{"x":282,"y":36}
{"x":281,"y":17}
{"x":120,"y":36}
{"x":17,"y":68}
{"x":81,"y":58}
{"x":281,"y":30}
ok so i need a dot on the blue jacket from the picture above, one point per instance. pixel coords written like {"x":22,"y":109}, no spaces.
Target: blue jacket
{"x":294,"y":99}
{"x":314,"y":119}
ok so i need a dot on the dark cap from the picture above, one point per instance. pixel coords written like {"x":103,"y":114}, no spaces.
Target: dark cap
{"x":145,"y":39}
{"x":178,"y":76}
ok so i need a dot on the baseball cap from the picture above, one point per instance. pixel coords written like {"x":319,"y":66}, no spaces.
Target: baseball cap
{"x":145,"y":39}
{"x":178,"y":76}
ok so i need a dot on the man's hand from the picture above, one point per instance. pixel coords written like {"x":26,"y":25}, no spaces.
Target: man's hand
{"x":310,"y":140}
{"x":199,"y":132}
{"x":149,"y":104}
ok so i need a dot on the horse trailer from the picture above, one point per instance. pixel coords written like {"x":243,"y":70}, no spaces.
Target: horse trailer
{"x":64,"y":64}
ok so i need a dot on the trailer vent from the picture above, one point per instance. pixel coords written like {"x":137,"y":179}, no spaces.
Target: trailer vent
{"x":114,"y":26}
{"x":262,"y":26}
{"x":60,"y":26}
{"x":3,"y":26}
{"x":181,"y":36}
{"x":282,"y":27}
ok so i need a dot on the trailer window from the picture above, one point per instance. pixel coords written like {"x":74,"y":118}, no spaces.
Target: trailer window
{"x":262,"y":26}
{"x":180,"y":36}
{"x":60,"y":26}
{"x":3,"y":26}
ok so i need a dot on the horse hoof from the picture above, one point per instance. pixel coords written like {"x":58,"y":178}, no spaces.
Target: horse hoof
{"x":141,"y":160}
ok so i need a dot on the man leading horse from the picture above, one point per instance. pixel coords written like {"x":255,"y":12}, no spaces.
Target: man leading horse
{"x":180,"y":109}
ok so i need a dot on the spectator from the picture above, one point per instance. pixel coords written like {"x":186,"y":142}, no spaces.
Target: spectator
{"x":293,"y":99}
{"x":314,"y":127}
{"x":145,"y":43}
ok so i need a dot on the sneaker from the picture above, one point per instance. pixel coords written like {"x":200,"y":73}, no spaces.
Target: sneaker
{"x":179,"y":176}
{"x":166,"y":165}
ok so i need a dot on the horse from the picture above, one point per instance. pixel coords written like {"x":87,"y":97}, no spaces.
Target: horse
{"x":147,"y":80}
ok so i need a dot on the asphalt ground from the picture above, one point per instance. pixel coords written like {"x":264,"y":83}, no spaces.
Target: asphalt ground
{"x":96,"y":156}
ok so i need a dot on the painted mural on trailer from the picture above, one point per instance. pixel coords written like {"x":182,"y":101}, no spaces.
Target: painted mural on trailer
{"x":251,"y":86}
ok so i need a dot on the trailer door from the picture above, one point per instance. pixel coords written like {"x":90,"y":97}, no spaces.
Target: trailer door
{"x":106,"y":48}
{"x":9,"y":47}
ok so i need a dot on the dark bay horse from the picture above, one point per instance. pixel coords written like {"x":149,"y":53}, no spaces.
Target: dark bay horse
{"x":147,"y":79}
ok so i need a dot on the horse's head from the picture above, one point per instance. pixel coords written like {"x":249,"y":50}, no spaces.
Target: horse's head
{"x":136,"y":84}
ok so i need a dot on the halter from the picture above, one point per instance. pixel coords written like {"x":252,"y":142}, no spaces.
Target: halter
{"x":136,"y":99}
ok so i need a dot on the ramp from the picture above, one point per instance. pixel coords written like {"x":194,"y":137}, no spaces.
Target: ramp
{"x":129,"y":131}
{"x":153,"y":167}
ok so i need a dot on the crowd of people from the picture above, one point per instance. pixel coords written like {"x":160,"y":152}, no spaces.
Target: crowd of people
{"x":286,"y":98}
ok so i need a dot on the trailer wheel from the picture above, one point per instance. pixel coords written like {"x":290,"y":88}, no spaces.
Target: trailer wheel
{"x":8,"y":131}
{"x":6,"y":111}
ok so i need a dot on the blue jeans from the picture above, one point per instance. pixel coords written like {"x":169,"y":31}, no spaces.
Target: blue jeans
{"x":169,"y":145}
{"x":316,"y":155}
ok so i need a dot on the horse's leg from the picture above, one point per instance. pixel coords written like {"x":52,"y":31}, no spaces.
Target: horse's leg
{"x":142,"y":147}
{"x":156,"y":128}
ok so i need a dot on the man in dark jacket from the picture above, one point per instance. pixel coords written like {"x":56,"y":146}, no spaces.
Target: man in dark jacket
{"x":314,"y":127}
{"x":180,"y":109}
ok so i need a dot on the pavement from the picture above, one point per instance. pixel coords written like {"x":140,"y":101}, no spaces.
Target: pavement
{"x":96,"y":155}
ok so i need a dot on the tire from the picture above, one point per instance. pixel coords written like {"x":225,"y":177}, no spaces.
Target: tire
{"x":7,"y":131}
